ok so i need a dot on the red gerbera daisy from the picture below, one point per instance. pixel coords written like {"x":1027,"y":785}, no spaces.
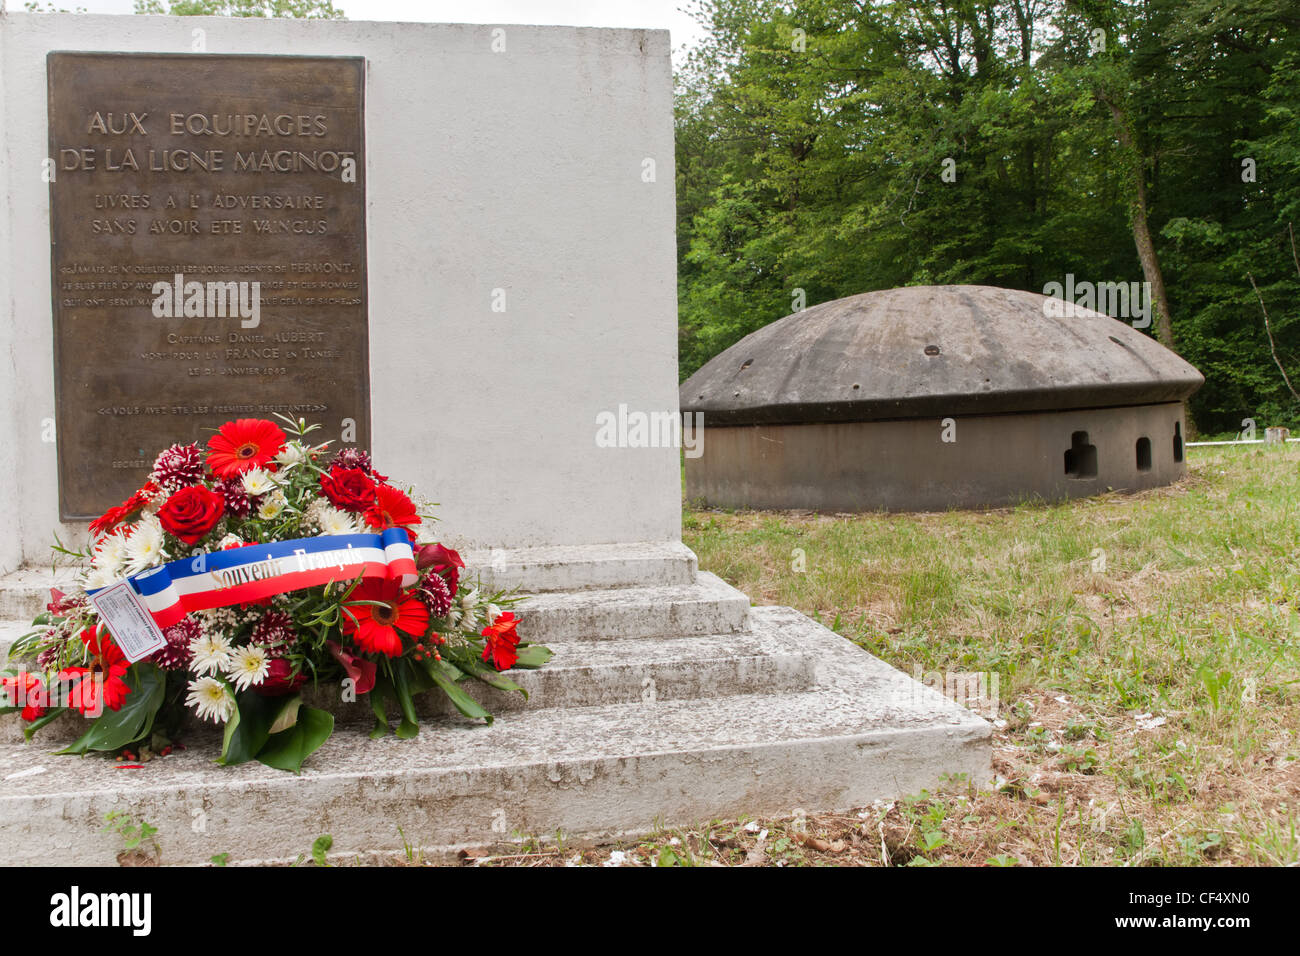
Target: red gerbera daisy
{"x":502,"y":647}
{"x":376,"y":625}
{"x":242,"y":445}
{"x":25,"y":690}
{"x":391,"y":509}
{"x":100,"y":685}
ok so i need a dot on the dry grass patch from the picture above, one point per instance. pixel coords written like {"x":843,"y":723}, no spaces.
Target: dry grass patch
{"x":1147,"y":650}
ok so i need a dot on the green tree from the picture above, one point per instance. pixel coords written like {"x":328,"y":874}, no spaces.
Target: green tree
{"x":837,"y":147}
{"x":296,"y":9}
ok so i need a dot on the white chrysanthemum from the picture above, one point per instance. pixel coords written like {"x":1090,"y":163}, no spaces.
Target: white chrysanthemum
{"x":97,"y":578}
{"x":493,"y":612}
{"x":258,"y":481}
{"x":110,"y":554}
{"x":230,"y":541}
{"x":293,"y":453}
{"x":209,"y":699}
{"x":211,"y":654}
{"x":271,"y":507}
{"x":335,"y":521}
{"x":247,"y":666}
{"x":465,"y":612}
{"x":144,"y":547}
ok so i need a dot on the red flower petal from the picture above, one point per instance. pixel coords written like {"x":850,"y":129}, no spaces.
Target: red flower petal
{"x":243,"y":445}
{"x":412,"y":617}
{"x":379,"y":639}
{"x":359,"y":669}
{"x":392,"y":509}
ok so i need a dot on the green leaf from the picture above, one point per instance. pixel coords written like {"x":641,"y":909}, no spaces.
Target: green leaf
{"x":532,"y":656}
{"x":249,"y":726}
{"x":420,"y":682}
{"x":289,"y":748}
{"x":320,"y":847}
{"x":466,"y":704}
{"x":410,"y":725}
{"x":133,"y":720}
{"x":450,"y":669}
{"x":378,"y":697}
{"x":288,"y":715}
{"x":39,"y":722}
{"x":492,"y":677}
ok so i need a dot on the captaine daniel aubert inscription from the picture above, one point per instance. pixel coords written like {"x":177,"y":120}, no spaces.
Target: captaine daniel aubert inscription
{"x":208,"y":255}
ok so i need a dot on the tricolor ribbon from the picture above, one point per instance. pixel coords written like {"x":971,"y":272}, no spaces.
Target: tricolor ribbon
{"x":257,"y":571}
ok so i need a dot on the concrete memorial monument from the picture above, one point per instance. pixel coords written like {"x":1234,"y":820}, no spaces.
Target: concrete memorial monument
{"x":513,"y":256}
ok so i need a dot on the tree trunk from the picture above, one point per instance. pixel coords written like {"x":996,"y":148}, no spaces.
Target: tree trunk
{"x":1146,"y":249}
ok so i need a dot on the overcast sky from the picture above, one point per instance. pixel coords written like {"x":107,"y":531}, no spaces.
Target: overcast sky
{"x":659,"y":14}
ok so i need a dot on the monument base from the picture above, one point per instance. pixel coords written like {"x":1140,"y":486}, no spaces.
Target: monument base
{"x":669,"y":702}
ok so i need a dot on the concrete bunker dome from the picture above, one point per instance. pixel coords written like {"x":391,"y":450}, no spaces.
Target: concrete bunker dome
{"x":930,"y":397}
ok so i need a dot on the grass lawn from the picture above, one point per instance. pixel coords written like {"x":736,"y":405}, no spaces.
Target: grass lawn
{"x":1147,"y":657}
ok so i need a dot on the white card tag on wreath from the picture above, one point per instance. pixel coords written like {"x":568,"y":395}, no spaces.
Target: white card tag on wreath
{"x":128,"y":620}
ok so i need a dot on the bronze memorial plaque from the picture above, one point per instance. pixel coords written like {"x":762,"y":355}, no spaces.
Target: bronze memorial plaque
{"x":208,"y":255}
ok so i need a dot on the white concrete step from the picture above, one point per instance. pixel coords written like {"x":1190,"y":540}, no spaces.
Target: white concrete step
{"x":10,"y":631}
{"x":708,"y":606}
{"x":863,"y":731}
{"x":593,"y":673}
{"x":577,"y":567}
{"x":25,"y":592}
{"x":586,"y":673}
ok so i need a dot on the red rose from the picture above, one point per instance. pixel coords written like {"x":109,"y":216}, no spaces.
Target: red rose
{"x":348,"y":488}
{"x":191,"y":513}
{"x":277,"y":682}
